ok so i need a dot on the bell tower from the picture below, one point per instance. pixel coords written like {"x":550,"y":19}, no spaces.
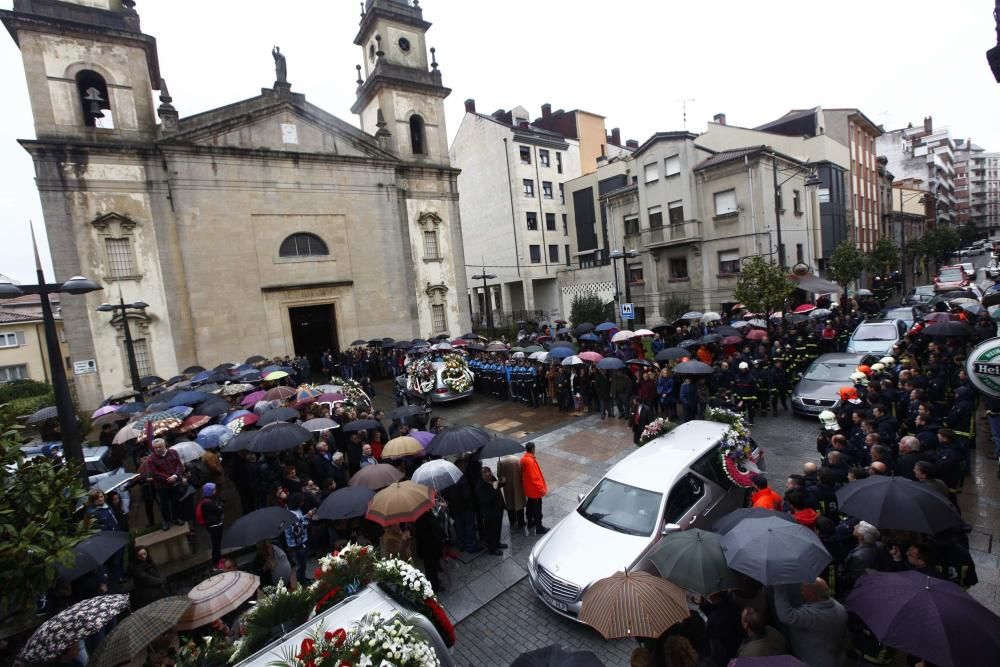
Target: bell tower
{"x":401,"y":82}
{"x":90,"y":70}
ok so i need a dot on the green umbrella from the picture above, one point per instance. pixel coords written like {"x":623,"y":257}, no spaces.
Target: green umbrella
{"x":531,"y":349}
{"x":693,"y":559}
{"x":138,"y":631}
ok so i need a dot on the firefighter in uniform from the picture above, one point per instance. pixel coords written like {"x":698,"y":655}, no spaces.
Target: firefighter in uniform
{"x":745,"y":388}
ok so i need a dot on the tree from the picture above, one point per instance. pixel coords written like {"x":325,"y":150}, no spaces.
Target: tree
{"x":846,"y":264}
{"x":968,"y":233}
{"x":762,"y":286}
{"x":39,"y":524}
{"x":884,"y":256}
{"x":588,"y":308}
{"x":937,"y":244}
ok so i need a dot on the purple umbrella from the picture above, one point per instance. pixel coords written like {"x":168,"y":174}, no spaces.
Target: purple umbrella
{"x":423,"y":437}
{"x":927,"y":617}
{"x":251,"y":399}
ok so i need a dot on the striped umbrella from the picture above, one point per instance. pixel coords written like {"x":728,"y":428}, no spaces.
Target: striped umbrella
{"x":138,"y":631}
{"x":402,"y":502}
{"x":279,"y":393}
{"x":217,"y":596}
{"x":633,"y":604}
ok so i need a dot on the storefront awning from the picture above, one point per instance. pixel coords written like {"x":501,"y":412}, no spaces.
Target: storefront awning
{"x":815,"y":284}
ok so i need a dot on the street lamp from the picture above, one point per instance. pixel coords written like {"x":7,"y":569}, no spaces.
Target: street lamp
{"x":64,"y":402}
{"x":123,"y":308}
{"x":486,"y":298}
{"x":623,"y":254}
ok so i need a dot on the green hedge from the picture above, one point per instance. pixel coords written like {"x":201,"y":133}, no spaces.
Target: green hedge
{"x":20,"y":407}
{"x":23,"y":389}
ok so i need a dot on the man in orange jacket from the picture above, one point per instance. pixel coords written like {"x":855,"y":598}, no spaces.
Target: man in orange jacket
{"x":535,"y":489}
{"x":764,"y":496}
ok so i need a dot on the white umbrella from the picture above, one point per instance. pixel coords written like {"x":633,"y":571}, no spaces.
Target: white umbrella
{"x":740,"y":325}
{"x":777,"y":316}
{"x":572,"y":360}
{"x":760,"y":324}
{"x":643,"y":332}
{"x":691,"y":315}
{"x":710,"y":317}
{"x":622,"y":335}
{"x":188,"y":451}
{"x":517,"y":355}
{"x":438,"y":474}
{"x":539,"y":356}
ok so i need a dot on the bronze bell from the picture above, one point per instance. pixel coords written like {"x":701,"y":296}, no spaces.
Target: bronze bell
{"x":95,"y":104}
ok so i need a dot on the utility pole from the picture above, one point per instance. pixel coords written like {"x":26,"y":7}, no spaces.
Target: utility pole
{"x":777,"y":210}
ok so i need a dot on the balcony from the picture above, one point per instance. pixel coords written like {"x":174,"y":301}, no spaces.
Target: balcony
{"x":688,"y":231}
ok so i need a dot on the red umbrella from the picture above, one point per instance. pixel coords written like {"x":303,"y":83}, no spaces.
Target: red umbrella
{"x":193,"y":422}
{"x":732,"y":340}
{"x":756,"y":334}
{"x":459,"y":342}
{"x":805,"y":308}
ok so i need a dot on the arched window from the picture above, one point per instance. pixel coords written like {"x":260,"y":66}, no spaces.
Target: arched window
{"x":303,"y":244}
{"x":94,"y":99}
{"x":417,"y":134}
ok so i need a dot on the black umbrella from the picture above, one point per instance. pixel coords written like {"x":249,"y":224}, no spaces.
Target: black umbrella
{"x":92,"y":552}
{"x":672,"y":354}
{"x":693,"y":368}
{"x":255,"y":359}
{"x":404,"y":411}
{"x":223,"y":367}
{"x":458,"y":440}
{"x":693,"y":559}
{"x":796,"y":318}
{"x":192,"y":370}
{"x":213,"y":407}
{"x":582,"y":328}
{"x":687,"y":342}
{"x":610,"y":364}
{"x":557,"y":655}
{"x":498,"y":447}
{"x":208,"y":388}
{"x":278,"y":437}
{"x":177,"y":379}
{"x":946,"y":329}
{"x":774,"y":551}
{"x":403,"y":344}
{"x":149,"y":380}
{"x":278,"y":415}
{"x":639,"y":362}
{"x":708,"y":339}
{"x":346,"y":503}
{"x":259,"y":525}
{"x":360,"y":425}
{"x":726,"y":523}
{"x":419,"y":341}
{"x":242,"y":441}
{"x":726,"y":330}
{"x":44,"y":414}
{"x":897,"y":503}
{"x":476,"y":347}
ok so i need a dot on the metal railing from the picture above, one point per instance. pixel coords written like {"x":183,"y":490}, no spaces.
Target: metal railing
{"x":689,"y":230}
{"x":505,"y":320}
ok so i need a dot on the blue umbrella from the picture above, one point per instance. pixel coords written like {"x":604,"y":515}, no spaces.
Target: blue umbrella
{"x":202,"y":376}
{"x":236,"y":415}
{"x":590,"y":338}
{"x":562,"y":331}
{"x":560,"y":353}
{"x":214,"y":436}
{"x":605,"y":326}
{"x":270,"y":369}
{"x":610,"y":364}
{"x":131,"y":408}
{"x":189,"y":398}
{"x":249,"y":376}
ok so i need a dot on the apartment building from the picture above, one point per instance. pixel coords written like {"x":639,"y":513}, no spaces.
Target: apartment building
{"x":977,"y":186}
{"x":925,"y":154}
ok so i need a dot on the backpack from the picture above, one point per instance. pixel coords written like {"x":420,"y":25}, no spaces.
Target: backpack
{"x":199,"y":516}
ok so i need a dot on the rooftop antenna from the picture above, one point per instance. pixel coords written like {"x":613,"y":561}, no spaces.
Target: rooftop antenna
{"x":684,"y":110}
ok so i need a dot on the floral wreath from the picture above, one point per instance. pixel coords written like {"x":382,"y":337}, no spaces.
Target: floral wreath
{"x":420,"y":376}
{"x":456,"y":374}
{"x":655,"y":429}
{"x":372,"y":641}
{"x":737,"y":451}
{"x":347,"y":571}
{"x":353,"y":392}
{"x":279,"y":611}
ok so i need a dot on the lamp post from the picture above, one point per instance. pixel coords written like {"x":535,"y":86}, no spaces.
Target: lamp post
{"x":486,"y":298}
{"x":623,"y":254}
{"x":123,"y":308}
{"x":64,"y":402}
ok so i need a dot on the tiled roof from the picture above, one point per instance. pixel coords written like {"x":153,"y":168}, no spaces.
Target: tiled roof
{"x":12,"y":317}
{"x":726,"y":156}
{"x":26,"y":299}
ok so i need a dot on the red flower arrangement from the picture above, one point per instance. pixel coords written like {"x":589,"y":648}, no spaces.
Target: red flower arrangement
{"x":441,"y":621}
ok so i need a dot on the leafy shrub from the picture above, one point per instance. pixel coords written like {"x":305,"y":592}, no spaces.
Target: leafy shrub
{"x":23,"y":389}
{"x":20,"y":407}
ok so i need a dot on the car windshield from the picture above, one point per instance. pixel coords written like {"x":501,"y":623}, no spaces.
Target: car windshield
{"x":830,"y":371}
{"x":622,"y":508}
{"x":951,"y":276}
{"x":904,"y":314}
{"x":876,"y":332}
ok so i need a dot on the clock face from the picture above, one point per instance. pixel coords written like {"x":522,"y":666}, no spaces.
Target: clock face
{"x":404,"y":45}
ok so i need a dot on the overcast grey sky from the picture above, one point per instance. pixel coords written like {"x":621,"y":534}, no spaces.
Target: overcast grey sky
{"x":633,"y":62}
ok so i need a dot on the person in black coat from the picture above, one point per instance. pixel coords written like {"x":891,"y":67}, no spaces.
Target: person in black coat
{"x":150,"y":585}
{"x":639,"y":418}
{"x":491,"y":508}
{"x":210,"y":515}
{"x":429,"y":538}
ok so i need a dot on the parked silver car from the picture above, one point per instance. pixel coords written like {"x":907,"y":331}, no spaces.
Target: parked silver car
{"x":817,"y":390}
{"x":671,"y":483}
{"x":876,"y":336}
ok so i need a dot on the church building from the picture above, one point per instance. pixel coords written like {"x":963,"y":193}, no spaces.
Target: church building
{"x":267,"y":226}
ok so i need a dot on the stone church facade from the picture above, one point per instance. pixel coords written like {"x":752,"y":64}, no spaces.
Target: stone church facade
{"x":267,"y":226}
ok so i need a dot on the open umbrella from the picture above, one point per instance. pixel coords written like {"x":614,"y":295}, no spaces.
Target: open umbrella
{"x":710,"y":317}
{"x":633,"y":604}
{"x":774,"y":551}
{"x":404,"y":411}
{"x":709,"y":339}
{"x":93,"y":552}
{"x":558,"y":354}
{"x":274,"y":376}
{"x":278,"y":415}
{"x":376,"y":477}
{"x":693,"y":559}
{"x":278,"y":393}
{"x":691,"y":315}
{"x":768,"y":661}
{"x":539,"y":356}
{"x":149,"y":380}
{"x":112,"y":482}
{"x":46,"y":413}
{"x":191,"y":370}
{"x":71,"y":625}
{"x":437,"y":474}
{"x":672,"y":354}
{"x":592,"y":357}
{"x":693,"y":368}
{"x":402,"y":447}
{"x":557,"y":655}
{"x":262,"y":524}
{"x":110,"y":418}
{"x":126,"y":433}
{"x":729,"y":521}
{"x":498,"y":447}
{"x":423,"y":437}
{"x":360,"y":425}
{"x":760,"y":324}
{"x":756,"y":334}
{"x":178,"y":413}
{"x":611,"y":364}
{"x":216,"y":596}
{"x":947,"y":329}
{"x":732,"y":340}
{"x":253,"y":398}
{"x":347,"y":503}
{"x":139,"y":630}
{"x":458,"y":440}
{"x":572,"y":360}
{"x":820,"y":313}
{"x":622,"y":336}
{"x":214,"y":436}
{"x":319,"y":424}
{"x":235,"y":388}
{"x":104,"y":410}
{"x":193,"y":423}
{"x":897,"y":503}
{"x":213,"y":407}
{"x":927,"y":617}
{"x":242,"y":440}
{"x":188,"y":451}
{"x":805,"y":308}
{"x":590,"y":338}
{"x":400,"y":502}
{"x":687,"y":343}
{"x":279,"y":436}
{"x":189,"y":398}
{"x":496,"y":347}
{"x":726,"y":330}
{"x":602,"y":327}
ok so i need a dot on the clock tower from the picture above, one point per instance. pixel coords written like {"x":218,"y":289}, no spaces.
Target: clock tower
{"x":401,"y":82}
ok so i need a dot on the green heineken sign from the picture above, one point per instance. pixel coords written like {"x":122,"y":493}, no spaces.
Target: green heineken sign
{"x":983,"y":366}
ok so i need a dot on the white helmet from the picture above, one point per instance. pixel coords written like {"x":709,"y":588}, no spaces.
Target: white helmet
{"x":878,"y":368}
{"x":859,"y":378}
{"x":888,"y":361}
{"x":829,"y":421}
{"x":744,"y":366}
